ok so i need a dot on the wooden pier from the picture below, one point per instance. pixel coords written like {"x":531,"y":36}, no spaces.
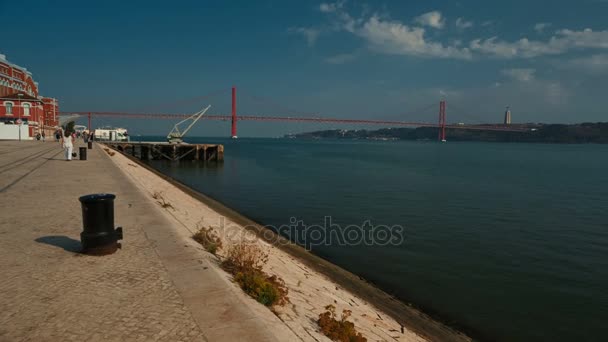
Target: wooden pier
{"x":174,"y":152}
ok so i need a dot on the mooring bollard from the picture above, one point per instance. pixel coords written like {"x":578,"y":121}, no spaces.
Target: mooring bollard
{"x":90,"y":145}
{"x":99,"y":236}
{"x":83,"y":153}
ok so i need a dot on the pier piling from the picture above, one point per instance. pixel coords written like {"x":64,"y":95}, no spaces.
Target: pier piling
{"x":173,"y":152}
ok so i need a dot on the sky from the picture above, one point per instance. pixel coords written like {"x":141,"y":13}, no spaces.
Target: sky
{"x":391,"y":60}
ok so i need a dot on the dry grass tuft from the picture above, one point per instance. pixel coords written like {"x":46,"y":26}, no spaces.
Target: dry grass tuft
{"x":338,"y":330}
{"x":208,"y":239}
{"x":110,"y":152}
{"x":244,"y":257}
{"x":158,"y":196}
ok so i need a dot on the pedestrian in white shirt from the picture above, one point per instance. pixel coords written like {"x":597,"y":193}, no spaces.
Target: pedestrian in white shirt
{"x":67,"y":142}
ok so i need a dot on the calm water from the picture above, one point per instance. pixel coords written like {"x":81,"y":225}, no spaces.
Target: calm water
{"x":509,"y":241}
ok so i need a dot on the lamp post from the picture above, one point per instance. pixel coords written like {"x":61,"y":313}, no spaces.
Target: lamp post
{"x":21,"y":110}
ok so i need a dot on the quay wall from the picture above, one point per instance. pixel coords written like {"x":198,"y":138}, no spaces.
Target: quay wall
{"x":372,"y":302}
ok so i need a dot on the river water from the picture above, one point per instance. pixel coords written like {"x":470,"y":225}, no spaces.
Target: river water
{"x":505,"y":241}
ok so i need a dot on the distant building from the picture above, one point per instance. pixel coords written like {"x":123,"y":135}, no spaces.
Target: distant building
{"x":508,"y":116}
{"x":19,"y":100}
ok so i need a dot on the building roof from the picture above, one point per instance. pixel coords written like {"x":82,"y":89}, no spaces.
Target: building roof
{"x":19,"y":68}
{"x":24,"y":97}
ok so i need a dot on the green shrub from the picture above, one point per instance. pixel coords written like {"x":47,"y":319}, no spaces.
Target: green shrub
{"x":245,"y":263}
{"x":266,"y":290}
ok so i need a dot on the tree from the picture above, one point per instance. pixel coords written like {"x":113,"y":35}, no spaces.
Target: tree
{"x":68,"y":128}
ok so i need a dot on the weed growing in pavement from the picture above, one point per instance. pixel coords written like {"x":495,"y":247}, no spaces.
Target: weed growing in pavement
{"x":245,"y":262}
{"x":158,"y":196}
{"x":338,"y":330}
{"x":208,"y":239}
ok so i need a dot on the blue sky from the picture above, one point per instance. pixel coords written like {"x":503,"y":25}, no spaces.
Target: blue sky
{"x":393,"y":60}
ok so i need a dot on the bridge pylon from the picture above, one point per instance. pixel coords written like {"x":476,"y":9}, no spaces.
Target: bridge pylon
{"x":442,"y":121}
{"x":233,"y":131}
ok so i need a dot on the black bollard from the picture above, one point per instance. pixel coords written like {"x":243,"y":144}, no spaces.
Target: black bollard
{"x":99,"y":236}
{"x":90,"y":145}
{"x":83,"y":153}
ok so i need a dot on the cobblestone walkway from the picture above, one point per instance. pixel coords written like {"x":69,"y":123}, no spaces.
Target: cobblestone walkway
{"x":48,"y":291}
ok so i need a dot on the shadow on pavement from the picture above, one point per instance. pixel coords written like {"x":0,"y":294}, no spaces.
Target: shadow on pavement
{"x":67,"y":243}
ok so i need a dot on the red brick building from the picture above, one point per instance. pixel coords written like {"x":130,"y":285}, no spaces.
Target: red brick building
{"x":19,"y":99}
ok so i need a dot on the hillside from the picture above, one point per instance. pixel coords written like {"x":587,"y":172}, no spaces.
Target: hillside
{"x":538,"y":133}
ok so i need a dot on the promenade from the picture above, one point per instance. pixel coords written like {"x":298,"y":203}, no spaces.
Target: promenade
{"x":156,"y":288}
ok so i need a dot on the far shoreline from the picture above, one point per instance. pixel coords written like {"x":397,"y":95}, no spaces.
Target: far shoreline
{"x":429,"y":325}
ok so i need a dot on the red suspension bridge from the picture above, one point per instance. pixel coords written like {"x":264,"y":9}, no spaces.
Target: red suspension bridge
{"x":441,"y":124}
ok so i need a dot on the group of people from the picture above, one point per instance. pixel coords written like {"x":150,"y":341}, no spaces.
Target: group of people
{"x":66,"y":140}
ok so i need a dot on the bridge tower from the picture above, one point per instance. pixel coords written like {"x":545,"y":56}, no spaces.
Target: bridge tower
{"x":508,"y":116}
{"x":233,"y":132}
{"x":442,"y":121}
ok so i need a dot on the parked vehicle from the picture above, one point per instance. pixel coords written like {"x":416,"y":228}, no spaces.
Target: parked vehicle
{"x":111,"y":134}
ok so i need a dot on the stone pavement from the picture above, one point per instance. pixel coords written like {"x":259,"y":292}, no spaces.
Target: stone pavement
{"x":148,"y":291}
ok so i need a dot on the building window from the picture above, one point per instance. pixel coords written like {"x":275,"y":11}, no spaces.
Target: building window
{"x":9,"y":108}
{"x":26,"y":109}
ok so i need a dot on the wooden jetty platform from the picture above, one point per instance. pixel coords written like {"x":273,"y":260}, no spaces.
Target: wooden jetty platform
{"x":173,"y":152}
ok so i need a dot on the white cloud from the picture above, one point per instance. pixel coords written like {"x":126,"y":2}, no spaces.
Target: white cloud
{"x":561,"y":42}
{"x":585,"y":39}
{"x":432,"y":19}
{"x":461,"y":23}
{"x":521,"y":48}
{"x":540,"y":27}
{"x":393,"y":37}
{"x":348,"y":22}
{"x":593,"y":64}
{"x":522,"y":75}
{"x":340,"y":58}
{"x":331,"y":7}
{"x":311,"y":34}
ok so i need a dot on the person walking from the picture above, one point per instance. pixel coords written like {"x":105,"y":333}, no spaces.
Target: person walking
{"x":67,"y":142}
{"x":43,"y":136}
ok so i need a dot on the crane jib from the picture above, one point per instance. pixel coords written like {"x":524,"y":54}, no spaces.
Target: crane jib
{"x":176,"y":136}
